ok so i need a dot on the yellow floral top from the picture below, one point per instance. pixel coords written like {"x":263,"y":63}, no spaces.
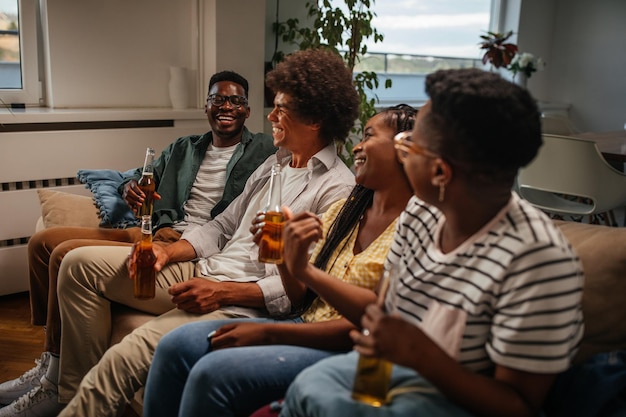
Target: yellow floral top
{"x":363,"y":269}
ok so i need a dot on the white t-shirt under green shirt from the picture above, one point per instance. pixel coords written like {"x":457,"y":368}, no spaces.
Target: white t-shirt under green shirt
{"x":207,"y":188}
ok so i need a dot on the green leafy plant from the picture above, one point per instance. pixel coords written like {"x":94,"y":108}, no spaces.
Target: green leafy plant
{"x":344,"y":32}
{"x":498,"y":52}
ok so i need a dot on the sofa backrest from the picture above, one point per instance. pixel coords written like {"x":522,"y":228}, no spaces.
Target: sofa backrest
{"x":602,"y":251}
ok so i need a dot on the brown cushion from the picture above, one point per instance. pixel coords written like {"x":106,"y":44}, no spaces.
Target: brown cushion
{"x":602,"y":251}
{"x":64,"y":209}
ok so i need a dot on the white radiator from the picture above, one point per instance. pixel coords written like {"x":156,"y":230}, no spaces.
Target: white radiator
{"x":34,"y":158}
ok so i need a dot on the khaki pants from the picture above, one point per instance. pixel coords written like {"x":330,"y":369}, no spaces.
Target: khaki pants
{"x":46,"y":250}
{"x":91,"y":277}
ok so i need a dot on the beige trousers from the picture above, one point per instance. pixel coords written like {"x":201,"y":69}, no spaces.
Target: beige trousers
{"x":89,"y":279}
{"x":46,"y":250}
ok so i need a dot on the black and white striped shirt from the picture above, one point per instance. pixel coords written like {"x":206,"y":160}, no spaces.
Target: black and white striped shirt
{"x":512,"y":292}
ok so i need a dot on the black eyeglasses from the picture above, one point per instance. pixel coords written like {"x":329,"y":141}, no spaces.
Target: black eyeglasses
{"x":404,"y":146}
{"x":218,"y":100}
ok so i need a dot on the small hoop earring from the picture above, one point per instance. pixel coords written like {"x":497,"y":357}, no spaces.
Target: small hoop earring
{"x":442,"y":191}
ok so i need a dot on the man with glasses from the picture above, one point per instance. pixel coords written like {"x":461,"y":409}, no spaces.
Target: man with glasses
{"x":197,"y":177}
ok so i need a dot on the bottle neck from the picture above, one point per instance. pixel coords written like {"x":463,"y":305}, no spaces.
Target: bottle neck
{"x":274,"y":201}
{"x":148,"y":164}
{"x":146,"y":233}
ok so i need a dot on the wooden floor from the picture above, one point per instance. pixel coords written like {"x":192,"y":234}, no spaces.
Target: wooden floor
{"x":20,"y":342}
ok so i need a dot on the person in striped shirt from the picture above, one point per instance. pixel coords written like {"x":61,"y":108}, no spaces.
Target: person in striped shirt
{"x":485,"y":308}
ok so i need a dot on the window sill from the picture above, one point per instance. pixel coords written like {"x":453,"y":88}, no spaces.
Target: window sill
{"x":47,"y":115}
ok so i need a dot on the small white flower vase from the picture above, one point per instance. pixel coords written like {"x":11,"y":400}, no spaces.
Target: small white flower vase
{"x":521,"y":79}
{"x":178,"y":88}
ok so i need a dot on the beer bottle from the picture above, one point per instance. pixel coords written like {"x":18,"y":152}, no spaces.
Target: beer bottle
{"x":147,"y":185}
{"x":271,"y":243}
{"x":145,"y":275}
{"x":373,"y":375}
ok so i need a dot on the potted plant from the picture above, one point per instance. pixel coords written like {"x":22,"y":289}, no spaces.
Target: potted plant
{"x":498,"y":52}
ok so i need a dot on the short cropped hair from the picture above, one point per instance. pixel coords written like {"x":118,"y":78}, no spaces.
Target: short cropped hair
{"x":321,"y":88}
{"x":231,"y":76}
{"x":482,"y":122}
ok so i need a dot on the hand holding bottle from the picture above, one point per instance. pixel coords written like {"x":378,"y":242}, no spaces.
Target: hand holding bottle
{"x":134,"y":197}
{"x":144,"y":260}
{"x":271,"y":240}
{"x":140,"y":195}
{"x":373,"y":374}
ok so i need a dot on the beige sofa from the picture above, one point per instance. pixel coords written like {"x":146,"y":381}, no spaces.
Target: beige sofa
{"x":602,"y":251}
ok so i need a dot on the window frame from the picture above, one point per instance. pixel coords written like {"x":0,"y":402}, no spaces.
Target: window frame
{"x":30,"y":93}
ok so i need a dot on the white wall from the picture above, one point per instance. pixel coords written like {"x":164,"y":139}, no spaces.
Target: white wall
{"x":117,"y":53}
{"x":240,"y":46}
{"x":582,"y":42}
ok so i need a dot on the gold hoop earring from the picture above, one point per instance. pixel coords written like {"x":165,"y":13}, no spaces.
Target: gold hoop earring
{"x":442,"y":191}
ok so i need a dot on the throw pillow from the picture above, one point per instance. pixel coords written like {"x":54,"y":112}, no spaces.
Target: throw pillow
{"x":104,"y":183}
{"x":64,"y":209}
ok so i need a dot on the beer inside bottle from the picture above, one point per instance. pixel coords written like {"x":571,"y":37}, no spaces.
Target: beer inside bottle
{"x":271,"y":243}
{"x":147,"y":185}
{"x":373,"y":375}
{"x":145,"y":275}
{"x":371,"y":381}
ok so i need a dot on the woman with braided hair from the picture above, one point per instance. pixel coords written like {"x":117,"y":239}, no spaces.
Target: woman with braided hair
{"x":247,"y":363}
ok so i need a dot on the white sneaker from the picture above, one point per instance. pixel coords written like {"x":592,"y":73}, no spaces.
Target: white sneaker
{"x":42,"y":401}
{"x":14,"y":389}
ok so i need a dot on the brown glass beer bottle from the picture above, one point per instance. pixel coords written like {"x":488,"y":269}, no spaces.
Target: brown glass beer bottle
{"x":271,"y":243}
{"x":145,"y":275}
{"x":373,"y":375}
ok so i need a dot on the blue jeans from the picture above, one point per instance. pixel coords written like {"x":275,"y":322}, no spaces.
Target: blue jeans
{"x":594,"y":388}
{"x":325,"y":389}
{"x":186,"y":378}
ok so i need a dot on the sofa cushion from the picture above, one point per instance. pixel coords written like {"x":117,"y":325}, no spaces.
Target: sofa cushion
{"x":64,"y":209}
{"x":104,"y":184}
{"x":602,"y":251}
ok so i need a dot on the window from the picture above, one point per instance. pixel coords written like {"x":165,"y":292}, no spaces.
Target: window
{"x":18,"y":52}
{"x":448,"y":28}
{"x":422,"y":36}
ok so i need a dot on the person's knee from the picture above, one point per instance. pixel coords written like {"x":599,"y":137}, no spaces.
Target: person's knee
{"x":71,"y":268}
{"x":219,"y":368}
{"x":39,"y":245}
{"x":47,"y":239}
{"x":129,"y":357}
{"x":169,"y":345}
{"x":36,"y":240}
{"x":59,"y":252}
